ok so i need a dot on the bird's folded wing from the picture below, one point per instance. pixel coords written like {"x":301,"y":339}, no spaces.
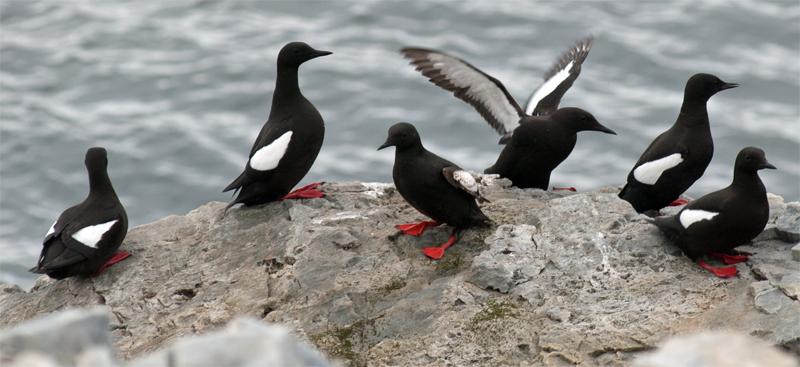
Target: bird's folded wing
{"x":463,"y":180}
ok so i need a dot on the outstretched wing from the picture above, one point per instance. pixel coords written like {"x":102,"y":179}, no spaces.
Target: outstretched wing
{"x":558,"y":79}
{"x":461,"y":179}
{"x":483,"y":92}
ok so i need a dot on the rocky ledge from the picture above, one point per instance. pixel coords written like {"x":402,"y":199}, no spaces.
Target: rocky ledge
{"x":560,"y":278}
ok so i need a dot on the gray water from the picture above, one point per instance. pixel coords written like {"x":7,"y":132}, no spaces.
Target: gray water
{"x":177,"y":91}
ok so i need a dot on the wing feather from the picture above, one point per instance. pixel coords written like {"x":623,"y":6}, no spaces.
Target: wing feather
{"x":463,"y":180}
{"x":481,"y":91}
{"x":559,"y":78}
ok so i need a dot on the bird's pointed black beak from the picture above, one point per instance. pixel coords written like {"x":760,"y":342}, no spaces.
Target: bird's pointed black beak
{"x":318,"y":53}
{"x":604,"y":129}
{"x":766,"y":165}
{"x":728,"y":86}
{"x":385,"y":145}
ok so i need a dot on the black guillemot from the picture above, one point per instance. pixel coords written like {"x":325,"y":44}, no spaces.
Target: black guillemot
{"x":537,"y":139}
{"x":84,"y":239}
{"x":434,"y":186}
{"x":289,"y":142}
{"x":716,"y":223}
{"x":680,"y":155}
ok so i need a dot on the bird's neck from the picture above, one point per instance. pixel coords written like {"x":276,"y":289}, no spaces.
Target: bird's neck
{"x":748,"y":183}
{"x":413,"y":150}
{"x":694,"y":112}
{"x":100,"y":185}
{"x":286,"y":86}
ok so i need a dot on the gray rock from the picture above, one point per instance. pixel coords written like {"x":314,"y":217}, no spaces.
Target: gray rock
{"x":713,"y":349}
{"x":511,"y":259}
{"x":68,"y":338}
{"x":788,"y":223}
{"x":790,"y":284}
{"x":796,"y":252}
{"x":244,"y":342}
{"x":561,"y":277}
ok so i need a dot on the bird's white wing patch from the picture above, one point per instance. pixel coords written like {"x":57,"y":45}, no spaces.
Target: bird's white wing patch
{"x":649,"y":172}
{"x":267,"y":157}
{"x":52,"y":228}
{"x":547,"y":87}
{"x":466,"y":180}
{"x":91,"y":235}
{"x":691,"y":216}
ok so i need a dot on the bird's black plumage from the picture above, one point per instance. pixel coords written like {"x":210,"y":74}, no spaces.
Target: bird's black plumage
{"x":680,"y":155}
{"x":488,"y":95}
{"x":734,"y":215}
{"x":86,"y":235}
{"x":540,"y":144}
{"x":290,"y":140}
{"x":420,"y":179}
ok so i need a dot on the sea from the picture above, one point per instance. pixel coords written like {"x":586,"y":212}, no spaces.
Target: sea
{"x":177,"y":91}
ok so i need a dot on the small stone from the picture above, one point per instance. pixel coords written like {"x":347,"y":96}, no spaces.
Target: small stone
{"x":790,"y":284}
{"x":796,"y":252}
{"x":769,"y":302}
{"x":557,"y":314}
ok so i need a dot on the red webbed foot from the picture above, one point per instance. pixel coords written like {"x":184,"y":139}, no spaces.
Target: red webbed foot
{"x":119,"y":256}
{"x":729,"y":259}
{"x":565,"y":188}
{"x":436,"y":253}
{"x":722,"y":272}
{"x":678,"y":202}
{"x":416,"y":229}
{"x":305,"y":192}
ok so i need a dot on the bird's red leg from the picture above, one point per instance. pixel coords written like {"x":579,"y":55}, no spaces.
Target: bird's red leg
{"x":305,"y":192}
{"x":722,"y":272}
{"x":436,"y":253}
{"x":119,"y":256}
{"x":729,"y":259}
{"x":678,"y":202}
{"x":416,"y":229}
{"x":564,"y":188}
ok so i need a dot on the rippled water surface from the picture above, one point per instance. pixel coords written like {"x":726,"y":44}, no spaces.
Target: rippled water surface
{"x":177,"y":92}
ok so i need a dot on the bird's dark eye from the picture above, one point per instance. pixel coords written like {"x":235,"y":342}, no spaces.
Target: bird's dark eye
{"x":403,"y":135}
{"x":583,"y":117}
{"x":297,"y":50}
{"x":747,"y":157}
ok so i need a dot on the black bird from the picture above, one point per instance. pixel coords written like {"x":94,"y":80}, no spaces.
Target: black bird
{"x":540,"y":144}
{"x":289,"y":142}
{"x":436,"y":187}
{"x":488,"y":95}
{"x":724,"y":219}
{"x":84,"y":238}
{"x":680,"y":155}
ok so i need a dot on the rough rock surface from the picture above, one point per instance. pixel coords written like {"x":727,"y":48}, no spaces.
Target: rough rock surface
{"x":561,"y":277}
